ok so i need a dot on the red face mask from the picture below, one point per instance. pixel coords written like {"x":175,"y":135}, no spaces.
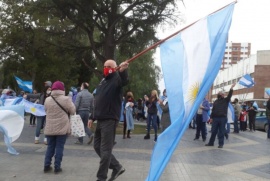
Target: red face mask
{"x":107,"y":71}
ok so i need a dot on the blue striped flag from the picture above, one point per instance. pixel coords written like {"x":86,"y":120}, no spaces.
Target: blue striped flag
{"x":246,"y":81}
{"x":27,"y":86}
{"x":190,"y":62}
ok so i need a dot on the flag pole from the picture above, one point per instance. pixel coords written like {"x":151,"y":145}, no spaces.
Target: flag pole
{"x":163,"y":40}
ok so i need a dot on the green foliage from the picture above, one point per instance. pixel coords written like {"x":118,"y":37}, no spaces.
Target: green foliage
{"x":69,"y":40}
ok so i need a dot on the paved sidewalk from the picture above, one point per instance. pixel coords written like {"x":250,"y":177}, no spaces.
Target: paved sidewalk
{"x":244,"y":157}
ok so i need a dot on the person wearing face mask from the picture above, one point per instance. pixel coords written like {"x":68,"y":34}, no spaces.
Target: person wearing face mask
{"x":219,"y":117}
{"x":42,"y":119}
{"x":107,"y":109}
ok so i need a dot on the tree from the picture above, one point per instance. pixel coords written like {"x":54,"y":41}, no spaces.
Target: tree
{"x":77,"y":36}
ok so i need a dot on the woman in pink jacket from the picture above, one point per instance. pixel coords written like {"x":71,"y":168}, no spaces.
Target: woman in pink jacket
{"x":57,"y":108}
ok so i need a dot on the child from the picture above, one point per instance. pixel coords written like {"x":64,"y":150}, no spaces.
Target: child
{"x":243,"y":120}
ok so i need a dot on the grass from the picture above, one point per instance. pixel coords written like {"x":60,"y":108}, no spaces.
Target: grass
{"x":138,"y":129}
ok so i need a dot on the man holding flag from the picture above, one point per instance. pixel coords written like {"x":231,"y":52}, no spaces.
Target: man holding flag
{"x":219,"y":117}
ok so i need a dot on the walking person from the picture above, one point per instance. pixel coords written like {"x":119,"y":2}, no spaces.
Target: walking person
{"x":165,"y":118}
{"x":128,"y":115}
{"x":152,"y":114}
{"x":219,"y":117}
{"x":237,"y":112}
{"x":41,"y":120}
{"x":107,"y":108}
{"x":57,"y":108}
{"x":84,"y":107}
{"x":201,"y":118}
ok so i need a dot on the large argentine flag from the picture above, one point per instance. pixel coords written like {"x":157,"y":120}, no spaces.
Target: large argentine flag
{"x":246,"y":81}
{"x":25,"y":85}
{"x":11,"y":124}
{"x":190,"y":62}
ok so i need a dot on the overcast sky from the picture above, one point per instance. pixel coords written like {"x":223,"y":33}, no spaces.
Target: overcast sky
{"x":250,"y":22}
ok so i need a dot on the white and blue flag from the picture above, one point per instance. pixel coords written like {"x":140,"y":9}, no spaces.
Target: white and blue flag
{"x":268,"y":92}
{"x":11,"y":124}
{"x":190,"y":62}
{"x":246,"y":81}
{"x":230,"y":113}
{"x":255,"y":105}
{"x":27,"y":86}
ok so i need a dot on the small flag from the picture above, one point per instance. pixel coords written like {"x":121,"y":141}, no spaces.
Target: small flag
{"x":255,"y":105}
{"x":268,"y":92}
{"x":246,"y":81}
{"x":27,"y":86}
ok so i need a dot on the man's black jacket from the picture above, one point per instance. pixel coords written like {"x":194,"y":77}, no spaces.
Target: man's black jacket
{"x":220,"y":106}
{"x":108,"y":96}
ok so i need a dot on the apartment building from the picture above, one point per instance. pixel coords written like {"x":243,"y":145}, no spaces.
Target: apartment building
{"x":235,"y":52}
{"x":258,"y":66}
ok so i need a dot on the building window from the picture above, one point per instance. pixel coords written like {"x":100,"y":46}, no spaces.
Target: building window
{"x":234,"y":58}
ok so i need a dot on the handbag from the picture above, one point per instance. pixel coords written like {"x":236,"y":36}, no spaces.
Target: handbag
{"x":76,"y":124}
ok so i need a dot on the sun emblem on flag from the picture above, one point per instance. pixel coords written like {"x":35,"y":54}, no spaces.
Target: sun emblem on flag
{"x":33,"y":109}
{"x":193,"y":92}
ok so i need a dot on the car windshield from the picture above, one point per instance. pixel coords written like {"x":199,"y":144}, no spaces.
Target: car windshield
{"x":260,"y":114}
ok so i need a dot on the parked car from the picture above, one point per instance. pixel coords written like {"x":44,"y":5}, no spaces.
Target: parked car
{"x":261,"y":120}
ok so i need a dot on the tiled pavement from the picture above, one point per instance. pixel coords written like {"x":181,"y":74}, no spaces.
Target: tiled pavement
{"x":244,"y":157}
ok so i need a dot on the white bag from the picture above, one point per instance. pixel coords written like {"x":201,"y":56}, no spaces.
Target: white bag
{"x":76,"y":126}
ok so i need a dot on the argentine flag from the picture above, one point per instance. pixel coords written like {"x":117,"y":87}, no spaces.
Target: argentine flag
{"x":27,"y":86}
{"x":268,"y":92}
{"x":230,"y":113}
{"x":246,"y":81}
{"x":11,"y":124}
{"x":190,"y":62}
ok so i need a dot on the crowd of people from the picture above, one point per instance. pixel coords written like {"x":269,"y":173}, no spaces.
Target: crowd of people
{"x":108,"y":106}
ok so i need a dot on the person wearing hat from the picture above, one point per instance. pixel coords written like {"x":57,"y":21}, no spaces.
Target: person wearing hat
{"x":57,"y":107}
{"x":219,"y":117}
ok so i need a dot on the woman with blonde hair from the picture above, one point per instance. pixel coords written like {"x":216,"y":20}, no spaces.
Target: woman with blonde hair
{"x":152,"y":114}
{"x":128,"y":115}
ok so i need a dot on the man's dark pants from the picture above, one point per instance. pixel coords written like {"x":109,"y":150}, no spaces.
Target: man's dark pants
{"x":201,"y":127}
{"x":218,"y":126}
{"x":235,"y":124}
{"x":103,"y":145}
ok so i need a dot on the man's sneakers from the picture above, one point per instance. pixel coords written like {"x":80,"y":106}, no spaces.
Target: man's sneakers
{"x":116,"y":173}
{"x":47,"y":169}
